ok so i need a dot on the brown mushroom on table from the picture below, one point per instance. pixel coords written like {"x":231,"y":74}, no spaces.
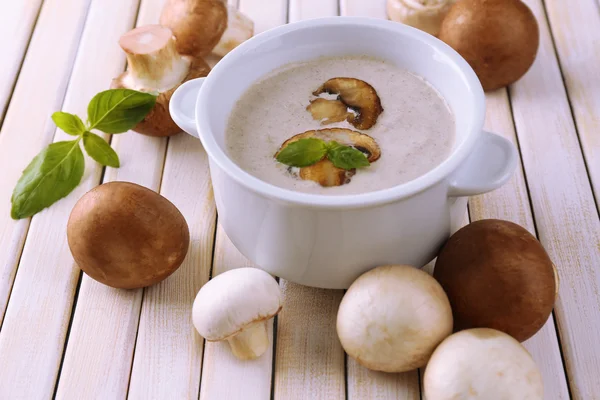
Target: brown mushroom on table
{"x":498,"y":38}
{"x":155,"y":66}
{"x":357,"y":102}
{"x":324,"y":172}
{"x":497,"y":275}
{"x":127,"y":236}
{"x":203,"y":27}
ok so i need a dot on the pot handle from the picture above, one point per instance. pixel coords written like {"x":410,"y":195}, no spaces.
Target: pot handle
{"x":490,"y":165}
{"x":182,"y":105}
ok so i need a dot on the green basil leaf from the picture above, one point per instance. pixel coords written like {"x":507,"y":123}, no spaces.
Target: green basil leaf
{"x":99,"y":150}
{"x":303,"y":152}
{"x":50,"y":176}
{"x":346,"y":157}
{"x":69,"y":123}
{"x":119,"y":110}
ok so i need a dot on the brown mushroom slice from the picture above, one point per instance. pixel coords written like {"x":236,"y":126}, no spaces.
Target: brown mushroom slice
{"x":357,"y":95}
{"x":324,"y":172}
{"x":329,"y":111}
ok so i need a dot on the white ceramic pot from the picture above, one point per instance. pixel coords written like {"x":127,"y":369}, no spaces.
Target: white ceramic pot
{"x":328,"y":241}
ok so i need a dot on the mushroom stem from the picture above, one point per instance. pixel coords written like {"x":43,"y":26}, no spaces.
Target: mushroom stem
{"x":239,"y":29}
{"x":153,"y":61}
{"x":251,"y":342}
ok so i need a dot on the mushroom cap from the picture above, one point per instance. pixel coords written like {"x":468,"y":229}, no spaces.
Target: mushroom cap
{"x":482,"y":363}
{"x":498,"y":38}
{"x":392,"y":318}
{"x":229,"y":302}
{"x":197,"y":24}
{"x":127,"y":236}
{"x":497,"y":275}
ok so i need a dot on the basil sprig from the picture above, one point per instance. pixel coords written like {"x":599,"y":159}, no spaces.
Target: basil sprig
{"x":58,"y":168}
{"x":308,"y":151}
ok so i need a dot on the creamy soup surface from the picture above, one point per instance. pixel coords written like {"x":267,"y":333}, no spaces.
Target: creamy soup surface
{"x":415,"y":131}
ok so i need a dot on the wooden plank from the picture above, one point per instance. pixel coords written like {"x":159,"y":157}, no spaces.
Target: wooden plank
{"x":108,"y":361}
{"x":42,"y":296}
{"x":17,"y":19}
{"x":371,"y":8}
{"x":27,"y":126}
{"x":309,"y":358}
{"x":220,"y":368}
{"x":563,"y":206}
{"x":511,"y":203}
{"x":168,"y":352}
{"x":576,"y":31}
{"x":363,"y":383}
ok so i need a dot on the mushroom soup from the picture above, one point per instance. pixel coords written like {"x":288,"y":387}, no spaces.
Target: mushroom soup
{"x":299,"y":126}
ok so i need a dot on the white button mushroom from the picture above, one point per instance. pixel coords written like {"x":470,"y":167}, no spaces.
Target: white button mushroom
{"x":426,"y":15}
{"x":393,"y":317}
{"x":483,"y":364}
{"x":235,"y":306}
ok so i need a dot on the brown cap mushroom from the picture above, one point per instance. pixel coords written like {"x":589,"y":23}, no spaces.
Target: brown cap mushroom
{"x":235,"y":306}
{"x":426,"y":15}
{"x":482,"y":364}
{"x":205,"y":26}
{"x":354,"y":94}
{"x":127,"y":236}
{"x":497,"y":275}
{"x":324,"y":172}
{"x":393,"y":317}
{"x":498,"y":38}
{"x":155,"y":66}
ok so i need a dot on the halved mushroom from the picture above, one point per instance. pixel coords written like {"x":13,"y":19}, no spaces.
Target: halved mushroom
{"x":154,"y":65}
{"x":353,"y":93}
{"x":324,"y":172}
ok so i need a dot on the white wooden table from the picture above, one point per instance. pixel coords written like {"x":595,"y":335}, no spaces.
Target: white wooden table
{"x":64,"y":335}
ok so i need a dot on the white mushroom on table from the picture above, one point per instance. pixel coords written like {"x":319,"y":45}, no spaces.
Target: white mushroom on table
{"x":235,"y":306}
{"x":482,"y":363}
{"x":392,"y":318}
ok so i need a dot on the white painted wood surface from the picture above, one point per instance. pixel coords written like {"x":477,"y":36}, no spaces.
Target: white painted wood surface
{"x":576,"y":33}
{"x":35,"y":325}
{"x":511,"y":203}
{"x":27,"y":126}
{"x":105,"y":355}
{"x":142,"y":161}
{"x":17,"y":21}
{"x":563,"y":206}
